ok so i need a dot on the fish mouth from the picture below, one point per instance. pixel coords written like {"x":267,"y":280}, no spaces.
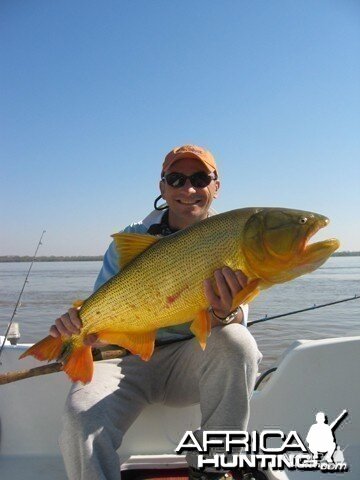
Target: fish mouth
{"x":326,"y":247}
{"x":318,"y":252}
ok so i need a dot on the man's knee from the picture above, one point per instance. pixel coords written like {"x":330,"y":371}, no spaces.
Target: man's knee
{"x":234,"y":341}
{"x":79,"y":419}
{"x":85,"y":419}
{"x":72,"y":418}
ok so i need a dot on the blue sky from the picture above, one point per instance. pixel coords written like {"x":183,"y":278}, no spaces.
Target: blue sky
{"x":93,"y":94}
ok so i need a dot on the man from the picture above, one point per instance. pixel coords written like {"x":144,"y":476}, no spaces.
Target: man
{"x":221,"y":378}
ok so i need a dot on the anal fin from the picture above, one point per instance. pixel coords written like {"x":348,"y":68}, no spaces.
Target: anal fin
{"x":201,"y":327}
{"x":80,"y":366}
{"x":137,"y":343}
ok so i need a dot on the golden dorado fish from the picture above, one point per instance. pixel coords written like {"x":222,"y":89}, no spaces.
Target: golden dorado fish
{"x":161,"y":279}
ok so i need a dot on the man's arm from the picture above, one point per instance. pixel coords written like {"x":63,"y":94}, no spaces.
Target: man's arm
{"x":110,"y":266}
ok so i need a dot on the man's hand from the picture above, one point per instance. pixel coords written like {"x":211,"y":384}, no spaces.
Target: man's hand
{"x":229,"y":283}
{"x":69,"y":324}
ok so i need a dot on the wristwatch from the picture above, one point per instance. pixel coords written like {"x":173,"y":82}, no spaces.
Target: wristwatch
{"x":229,"y":318}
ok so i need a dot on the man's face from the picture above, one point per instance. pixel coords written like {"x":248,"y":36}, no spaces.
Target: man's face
{"x":187,"y":204}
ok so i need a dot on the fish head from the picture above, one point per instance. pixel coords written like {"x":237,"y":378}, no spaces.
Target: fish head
{"x":276,"y":243}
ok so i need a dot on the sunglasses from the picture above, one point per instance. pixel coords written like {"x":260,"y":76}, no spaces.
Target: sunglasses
{"x":197,"y":180}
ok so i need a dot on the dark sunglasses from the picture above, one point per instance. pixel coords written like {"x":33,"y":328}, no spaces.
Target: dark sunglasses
{"x":197,"y":180}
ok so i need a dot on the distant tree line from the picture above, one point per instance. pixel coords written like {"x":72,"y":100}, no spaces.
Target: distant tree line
{"x":52,"y":258}
{"x":98,"y":258}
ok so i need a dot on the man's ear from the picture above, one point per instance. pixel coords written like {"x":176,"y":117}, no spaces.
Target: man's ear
{"x":217,"y":188}
{"x":162,"y":187}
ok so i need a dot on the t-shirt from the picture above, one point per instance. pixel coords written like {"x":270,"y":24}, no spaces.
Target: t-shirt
{"x":155,"y":222}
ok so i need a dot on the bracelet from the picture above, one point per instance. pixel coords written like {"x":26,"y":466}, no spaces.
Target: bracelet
{"x":229,"y":318}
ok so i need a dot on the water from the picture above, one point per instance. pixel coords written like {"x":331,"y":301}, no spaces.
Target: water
{"x":53,"y":286}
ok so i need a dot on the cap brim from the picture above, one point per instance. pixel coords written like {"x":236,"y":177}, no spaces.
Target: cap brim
{"x":180,"y":156}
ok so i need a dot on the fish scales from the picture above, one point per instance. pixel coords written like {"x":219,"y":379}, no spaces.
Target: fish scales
{"x":182,"y":261}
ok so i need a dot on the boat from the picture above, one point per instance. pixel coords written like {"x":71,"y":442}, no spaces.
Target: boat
{"x":311,"y":376}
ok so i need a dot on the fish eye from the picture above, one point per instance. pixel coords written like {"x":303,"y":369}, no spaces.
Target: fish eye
{"x":303,"y":220}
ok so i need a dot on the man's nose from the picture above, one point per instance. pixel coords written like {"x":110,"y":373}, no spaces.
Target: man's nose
{"x":189,"y":186}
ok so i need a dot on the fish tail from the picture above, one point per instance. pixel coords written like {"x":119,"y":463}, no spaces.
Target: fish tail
{"x":77,"y":360}
{"x":48,"y":348}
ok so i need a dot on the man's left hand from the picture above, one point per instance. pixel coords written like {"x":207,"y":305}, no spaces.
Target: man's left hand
{"x":229,"y":283}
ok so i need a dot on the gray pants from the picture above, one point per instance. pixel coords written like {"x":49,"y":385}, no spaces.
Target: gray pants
{"x":97,"y":415}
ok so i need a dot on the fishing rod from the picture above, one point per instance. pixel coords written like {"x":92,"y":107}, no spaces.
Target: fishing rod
{"x":21,"y":292}
{"x":314,"y":307}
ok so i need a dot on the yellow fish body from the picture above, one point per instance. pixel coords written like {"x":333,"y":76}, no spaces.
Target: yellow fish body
{"x":161,"y":280}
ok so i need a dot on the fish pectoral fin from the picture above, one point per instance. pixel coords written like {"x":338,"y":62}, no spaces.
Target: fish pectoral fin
{"x":137,"y":343}
{"x":248,"y":293}
{"x":130,"y":245}
{"x":201,"y":327}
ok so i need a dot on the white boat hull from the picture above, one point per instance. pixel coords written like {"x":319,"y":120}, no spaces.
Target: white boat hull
{"x":312,"y":376}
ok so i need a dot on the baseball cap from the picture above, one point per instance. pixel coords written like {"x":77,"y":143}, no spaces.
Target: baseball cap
{"x":190,"y":151}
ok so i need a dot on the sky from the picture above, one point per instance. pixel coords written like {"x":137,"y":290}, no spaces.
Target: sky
{"x":93,"y":94}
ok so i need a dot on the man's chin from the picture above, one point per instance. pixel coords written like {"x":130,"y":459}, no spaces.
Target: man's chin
{"x":195,"y":214}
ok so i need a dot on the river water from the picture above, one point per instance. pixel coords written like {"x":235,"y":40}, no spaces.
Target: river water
{"x":53,"y":286}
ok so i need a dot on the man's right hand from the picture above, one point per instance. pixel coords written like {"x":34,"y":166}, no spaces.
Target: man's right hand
{"x":69,"y":324}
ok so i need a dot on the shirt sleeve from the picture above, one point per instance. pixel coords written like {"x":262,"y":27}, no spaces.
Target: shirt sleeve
{"x":245,"y":309}
{"x":110,"y":266}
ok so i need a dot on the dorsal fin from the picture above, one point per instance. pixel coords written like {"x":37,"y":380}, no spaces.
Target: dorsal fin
{"x":130,"y":245}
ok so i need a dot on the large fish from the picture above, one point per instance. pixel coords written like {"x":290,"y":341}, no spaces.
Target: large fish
{"x":161,"y":279}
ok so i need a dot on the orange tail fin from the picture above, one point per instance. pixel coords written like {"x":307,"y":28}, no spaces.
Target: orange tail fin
{"x":78,"y":362}
{"x":48,"y":348}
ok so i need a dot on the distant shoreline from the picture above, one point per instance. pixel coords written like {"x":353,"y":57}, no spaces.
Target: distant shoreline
{"x":99,"y":258}
{"x":51,"y":258}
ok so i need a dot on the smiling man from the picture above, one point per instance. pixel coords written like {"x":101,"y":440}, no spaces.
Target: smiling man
{"x":188,"y":201}
{"x":221,"y":378}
